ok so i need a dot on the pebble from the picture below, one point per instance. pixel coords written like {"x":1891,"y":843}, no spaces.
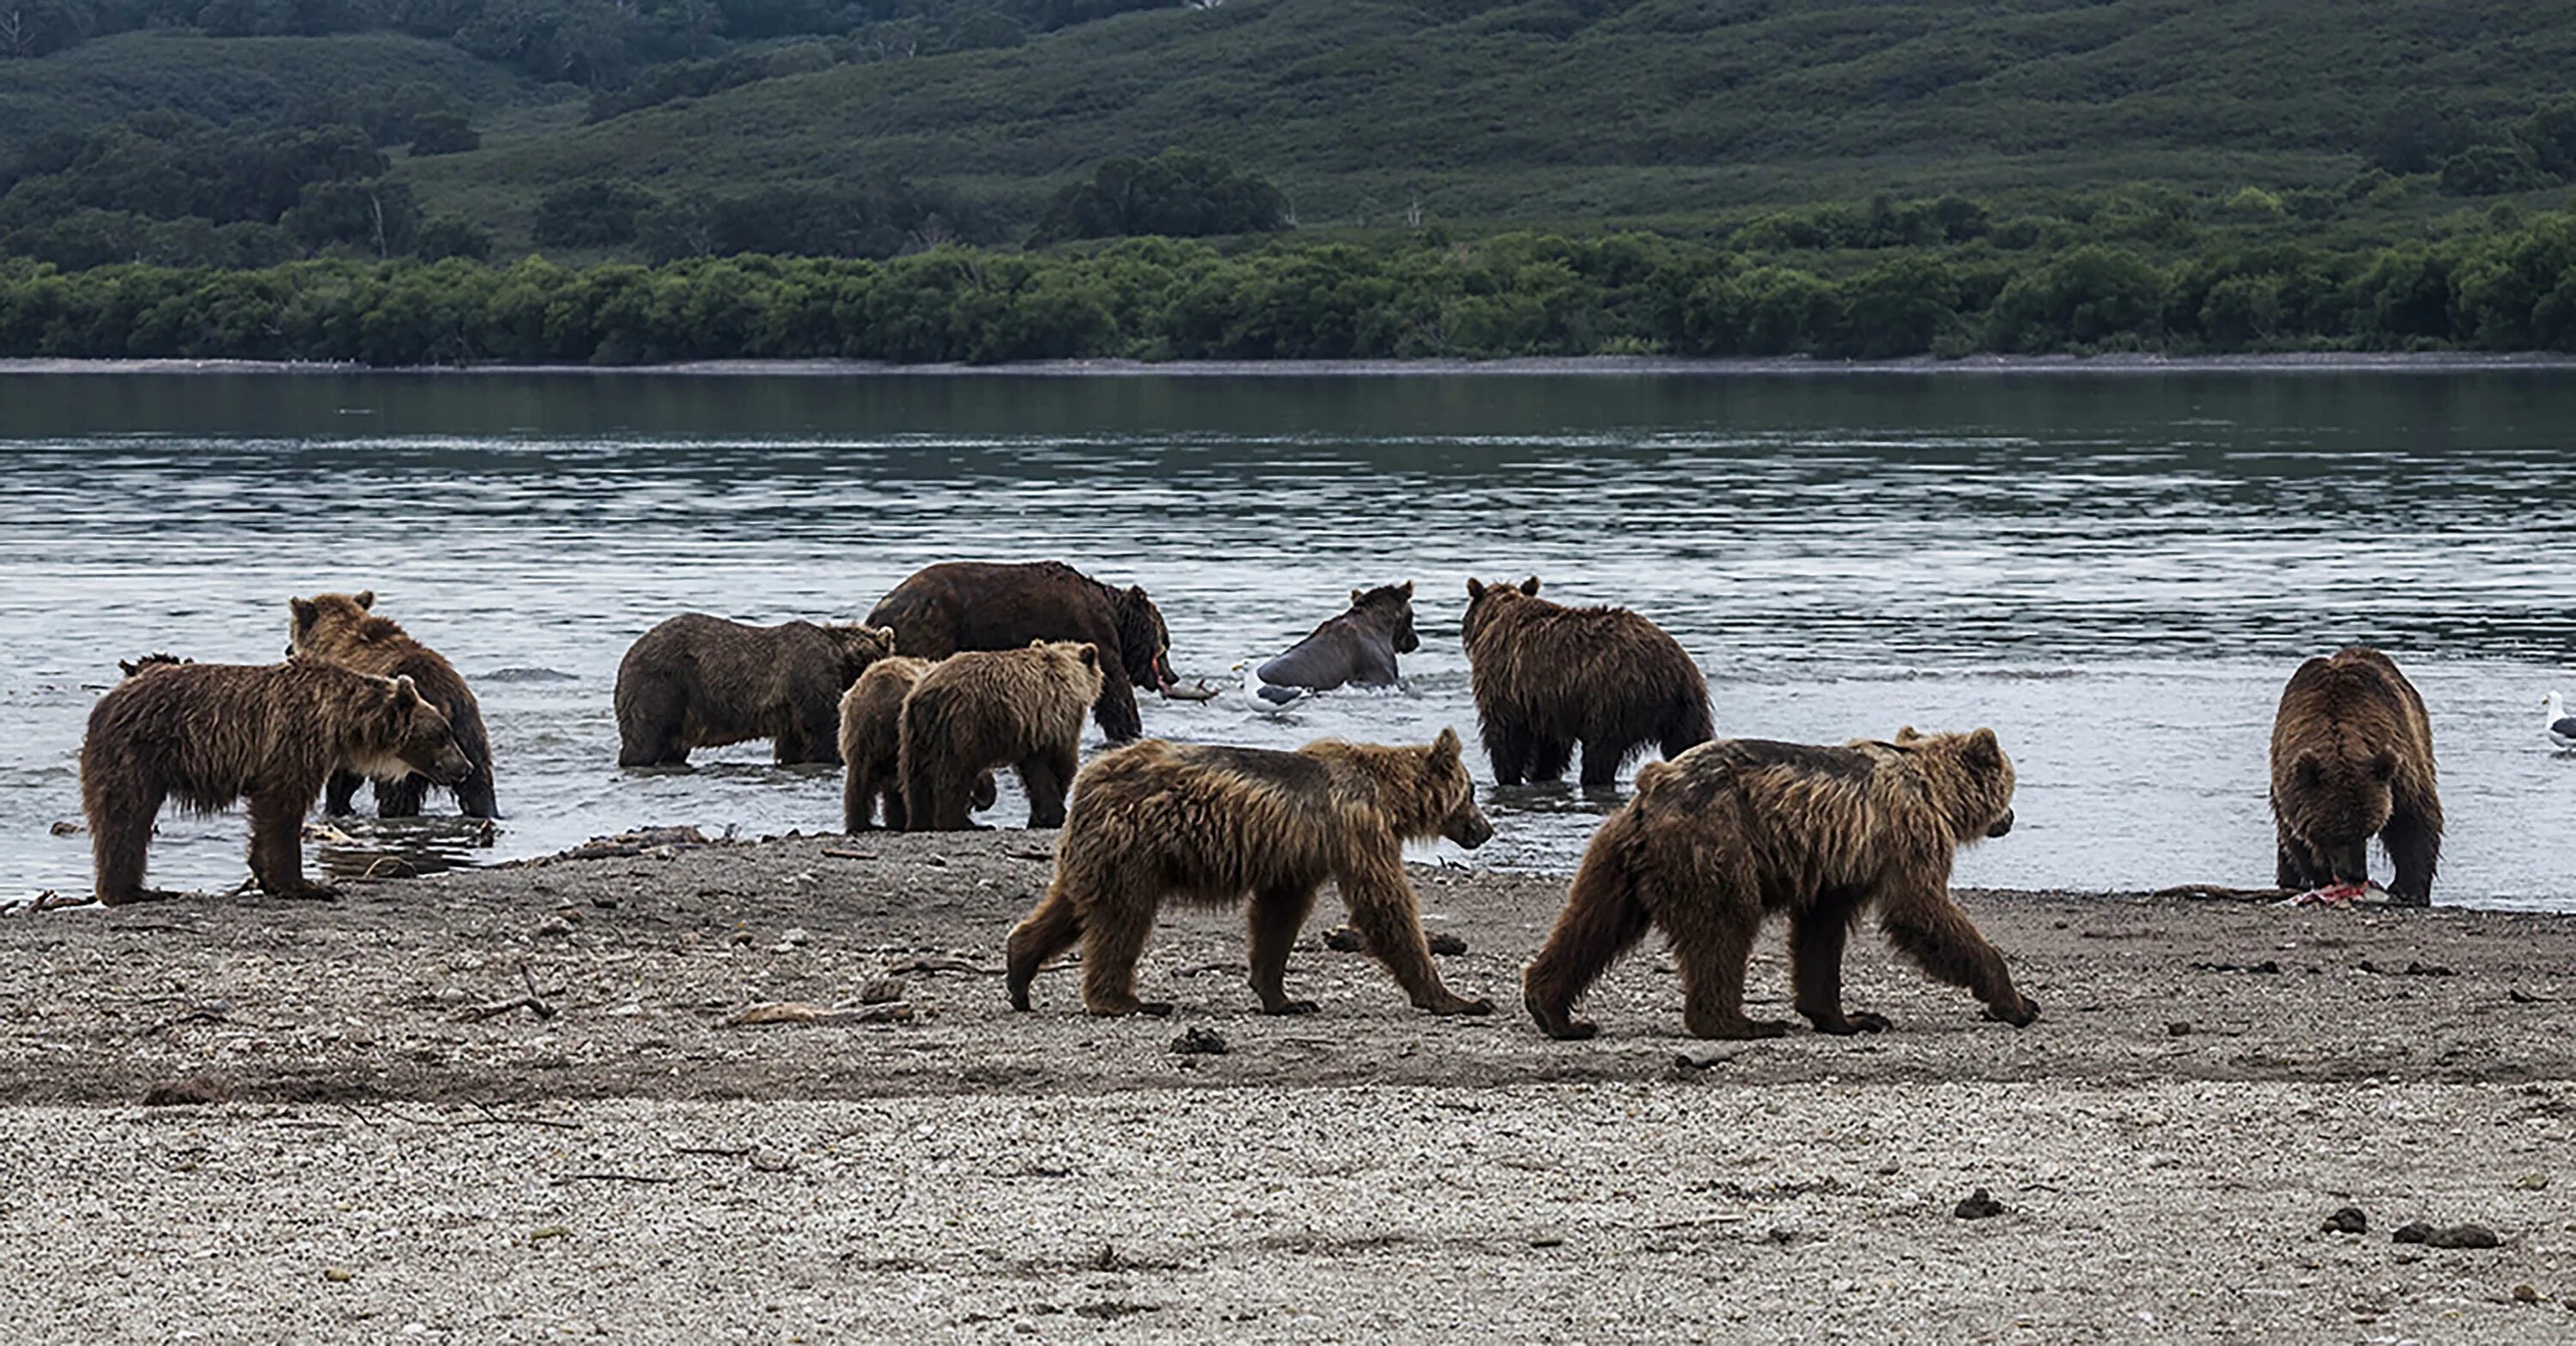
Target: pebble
{"x":1978,"y":1205}
{"x":882,"y":991}
{"x":1343,"y":939}
{"x":2526,"y":1294}
{"x":337,"y":1275}
{"x":2178,"y":1029}
{"x":2448,"y":1236}
{"x":796,"y":935}
{"x":2349,"y":1220}
{"x":1199,"y":1042}
{"x":1445,"y":943}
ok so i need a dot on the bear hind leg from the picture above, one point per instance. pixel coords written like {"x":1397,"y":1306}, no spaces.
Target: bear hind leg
{"x":401,"y":798}
{"x":1548,"y":759}
{"x":1275,"y":916}
{"x":1712,"y":951}
{"x":120,"y":839}
{"x":1602,"y":760}
{"x":1507,"y":746}
{"x":1114,"y":927}
{"x":340,"y":798}
{"x":1602,"y":920}
{"x":1816,"y":939}
{"x":1054,"y":927}
{"x":1046,"y":777}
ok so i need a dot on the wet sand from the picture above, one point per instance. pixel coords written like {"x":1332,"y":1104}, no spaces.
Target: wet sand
{"x":2209,"y":1082}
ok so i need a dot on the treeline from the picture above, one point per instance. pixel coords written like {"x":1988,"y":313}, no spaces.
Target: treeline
{"x":2511,"y":287}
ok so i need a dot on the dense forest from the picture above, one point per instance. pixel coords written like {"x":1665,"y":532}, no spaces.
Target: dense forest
{"x":1831,"y":177}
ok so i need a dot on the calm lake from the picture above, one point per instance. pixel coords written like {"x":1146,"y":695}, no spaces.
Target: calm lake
{"x":2115,"y":570}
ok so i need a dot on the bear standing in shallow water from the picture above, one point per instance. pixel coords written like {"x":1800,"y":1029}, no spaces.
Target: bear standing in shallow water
{"x":872,"y":742}
{"x":1547,"y":677}
{"x":343,"y":629}
{"x":988,"y":605}
{"x":209,"y":734}
{"x":1736,"y":830}
{"x":972,"y":712}
{"x":698,"y":681}
{"x":2352,"y":759}
{"x":1158,"y":820}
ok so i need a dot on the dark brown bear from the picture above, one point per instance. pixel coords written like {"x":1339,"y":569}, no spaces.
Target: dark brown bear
{"x":871,"y":743}
{"x":698,"y":681}
{"x":1739,"y":829}
{"x":2352,"y":759}
{"x":209,"y":734}
{"x":980,"y":605}
{"x":1154,"y":821}
{"x":343,"y":629}
{"x":1547,"y":677}
{"x":972,"y":712}
{"x":1357,"y":648}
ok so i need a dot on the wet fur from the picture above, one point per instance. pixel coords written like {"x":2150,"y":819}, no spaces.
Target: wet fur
{"x":979,"y":605}
{"x":1157,"y":821}
{"x":343,"y":629}
{"x":973,"y":712}
{"x":1357,"y":648}
{"x":871,"y":745}
{"x":2352,"y":759}
{"x":1547,"y":677}
{"x":1738,"y":830}
{"x":698,"y":681}
{"x":207,"y":735}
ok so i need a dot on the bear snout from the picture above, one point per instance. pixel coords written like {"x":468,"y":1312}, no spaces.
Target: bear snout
{"x":1470,"y":831}
{"x":451,"y":766}
{"x":2001,"y":825}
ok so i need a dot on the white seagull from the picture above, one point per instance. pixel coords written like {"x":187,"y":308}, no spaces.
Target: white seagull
{"x":1265,"y":698}
{"x":2562,"y":726}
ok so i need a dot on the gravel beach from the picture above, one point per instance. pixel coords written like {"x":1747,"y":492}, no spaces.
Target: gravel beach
{"x":519,"y":1103}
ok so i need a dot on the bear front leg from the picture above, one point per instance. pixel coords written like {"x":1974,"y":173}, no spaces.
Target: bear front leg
{"x":2296,"y":867}
{"x":277,"y":846}
{"x":1116,"y":709}
{"x":1816,"y":940}
{"x":1275,"y":916}
{"x":340,"y":799}
{"x":1507,"y":746}
{"x":1601,"y":762}
{"x":1938,"y":936}
{"x":1046,"y":777}
{"x":1548,"y":758}
{"x":1712,"y":946}
{"x":2416,"y":848}
{"x":402,"y":798}
{"x":1382,"y":909}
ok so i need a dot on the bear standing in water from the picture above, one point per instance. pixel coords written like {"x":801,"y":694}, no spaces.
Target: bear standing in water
{"x":209,"y":734}
{"x":698,"y":681}
{"x":872,"y":741}
{"x":1213,"y":825}
{"x":343,"y":629}
{"x":972,"y":712}
{"x":1547,"y":677}
{"x":1740,"y":829}
{"x":1357,"y":648}
{"x":981,"y":605}
{"x":2352,"y":759}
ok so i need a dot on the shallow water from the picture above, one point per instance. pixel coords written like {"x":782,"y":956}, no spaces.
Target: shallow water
{"x":2116,"y":571}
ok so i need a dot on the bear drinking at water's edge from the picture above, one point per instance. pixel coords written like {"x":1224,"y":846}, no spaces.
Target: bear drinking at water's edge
{"x":1740,"y":829}
{"x":1215,"y":825}
{"x":698,"y":681}
{"x":209,"y":734}
{"x":1548,"y":676}
{"x":2352,"y":759}
{"x":344,"y":629}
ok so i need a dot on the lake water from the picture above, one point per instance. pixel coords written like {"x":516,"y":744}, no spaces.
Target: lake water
{"x":2114,"y":570}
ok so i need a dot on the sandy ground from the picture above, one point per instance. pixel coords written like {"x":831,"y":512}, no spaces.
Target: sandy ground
{"x":2210,"y":1081}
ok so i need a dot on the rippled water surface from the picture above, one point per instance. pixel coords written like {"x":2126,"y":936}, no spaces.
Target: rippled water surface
{"x":2116,"y":571}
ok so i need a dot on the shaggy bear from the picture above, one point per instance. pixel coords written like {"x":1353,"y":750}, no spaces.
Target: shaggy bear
{"x":343,"y":629}
{"x":1736,"y":830}
{"x":1358,"y":647}
{"x":1547,"y":676}
{"x":209,"y":734}
{"x":2352,"y":758}
{"x":698,"y":681}
{"x":972,"y":712}
{"x":1157,"y":820}
{"x":979,"y":605}
{"x":871,"y":736}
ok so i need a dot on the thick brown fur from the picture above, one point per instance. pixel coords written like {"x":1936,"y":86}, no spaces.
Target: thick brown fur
{"x":1213,"y":825}
{"x":984,"y":605}
{"x":1740,"y":829}
{"x":343,"y":629}
{"x":209,"y":734}
{"x":871,"y":743}
{"x":973,"y":712}
{"x":1547,"y":677}
{"x":698,"y":681}
{"x":2352,"y":759}
{"x":1356,"y":648}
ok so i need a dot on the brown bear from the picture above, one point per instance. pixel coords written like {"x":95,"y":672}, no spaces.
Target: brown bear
{"x":343,"y":629}
{"x":1157,"y":820}
{"x":1736,"y":830}
{"x":2352,"y":758}
{"x":980,"y":605}
{"x":1356,"y":648}
{"x":871,"y":739}
{"x":698,"y":681}
{"x":1547,"y":676}
{"x":272,"y":733}
{"x":972,"y":712}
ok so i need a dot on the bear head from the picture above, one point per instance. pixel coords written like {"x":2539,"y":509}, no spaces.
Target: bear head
{"x":1970,"y":778}
{"x":1077,"y":662}
{"x":1144,"y":643}
{"x":1445,"y":779}
{"x":2336,"y":800}
{"x":396,"y":732}
{"x":1391,"y":607}
{"x":858,"y":647}
{"x":327,"y":625}
{"x":1486,"y":601}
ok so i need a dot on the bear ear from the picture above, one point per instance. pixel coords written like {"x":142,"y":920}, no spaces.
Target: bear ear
{"x":1406,"y":589}
{"x":1530,"y":586}
{"x":1475,"y":588}
{"x":1985,"y":747}
{"x":1445,"y":749}
{"x":1137,"y":592}
{"x":367,"y":599}
{"x":2383,"y":768}
{"x":1909,"y":734}
{"x":405,"y":693}
{"x":1090,"y":654}
{"x":1357,"y":595}
{"x":886,"y":634}
{"x":1038,"y":644}
{"x":304,"y":612}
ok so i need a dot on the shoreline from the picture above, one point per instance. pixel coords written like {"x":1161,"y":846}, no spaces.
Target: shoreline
{"x":2424,"y":362}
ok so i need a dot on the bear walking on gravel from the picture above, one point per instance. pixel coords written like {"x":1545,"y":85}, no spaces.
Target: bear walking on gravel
{"x":972,"y":712}
{"x":209,"y":734}
{"x":1546,"y":677}
{"x":1157,"y":820}
{"x":871,"y":743}
{"x":1736,"y":830}
{"x":698,"y":681}
{"x":2352,"y":758}
{"x":343,"y":629}
{"x":984,"y":605}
